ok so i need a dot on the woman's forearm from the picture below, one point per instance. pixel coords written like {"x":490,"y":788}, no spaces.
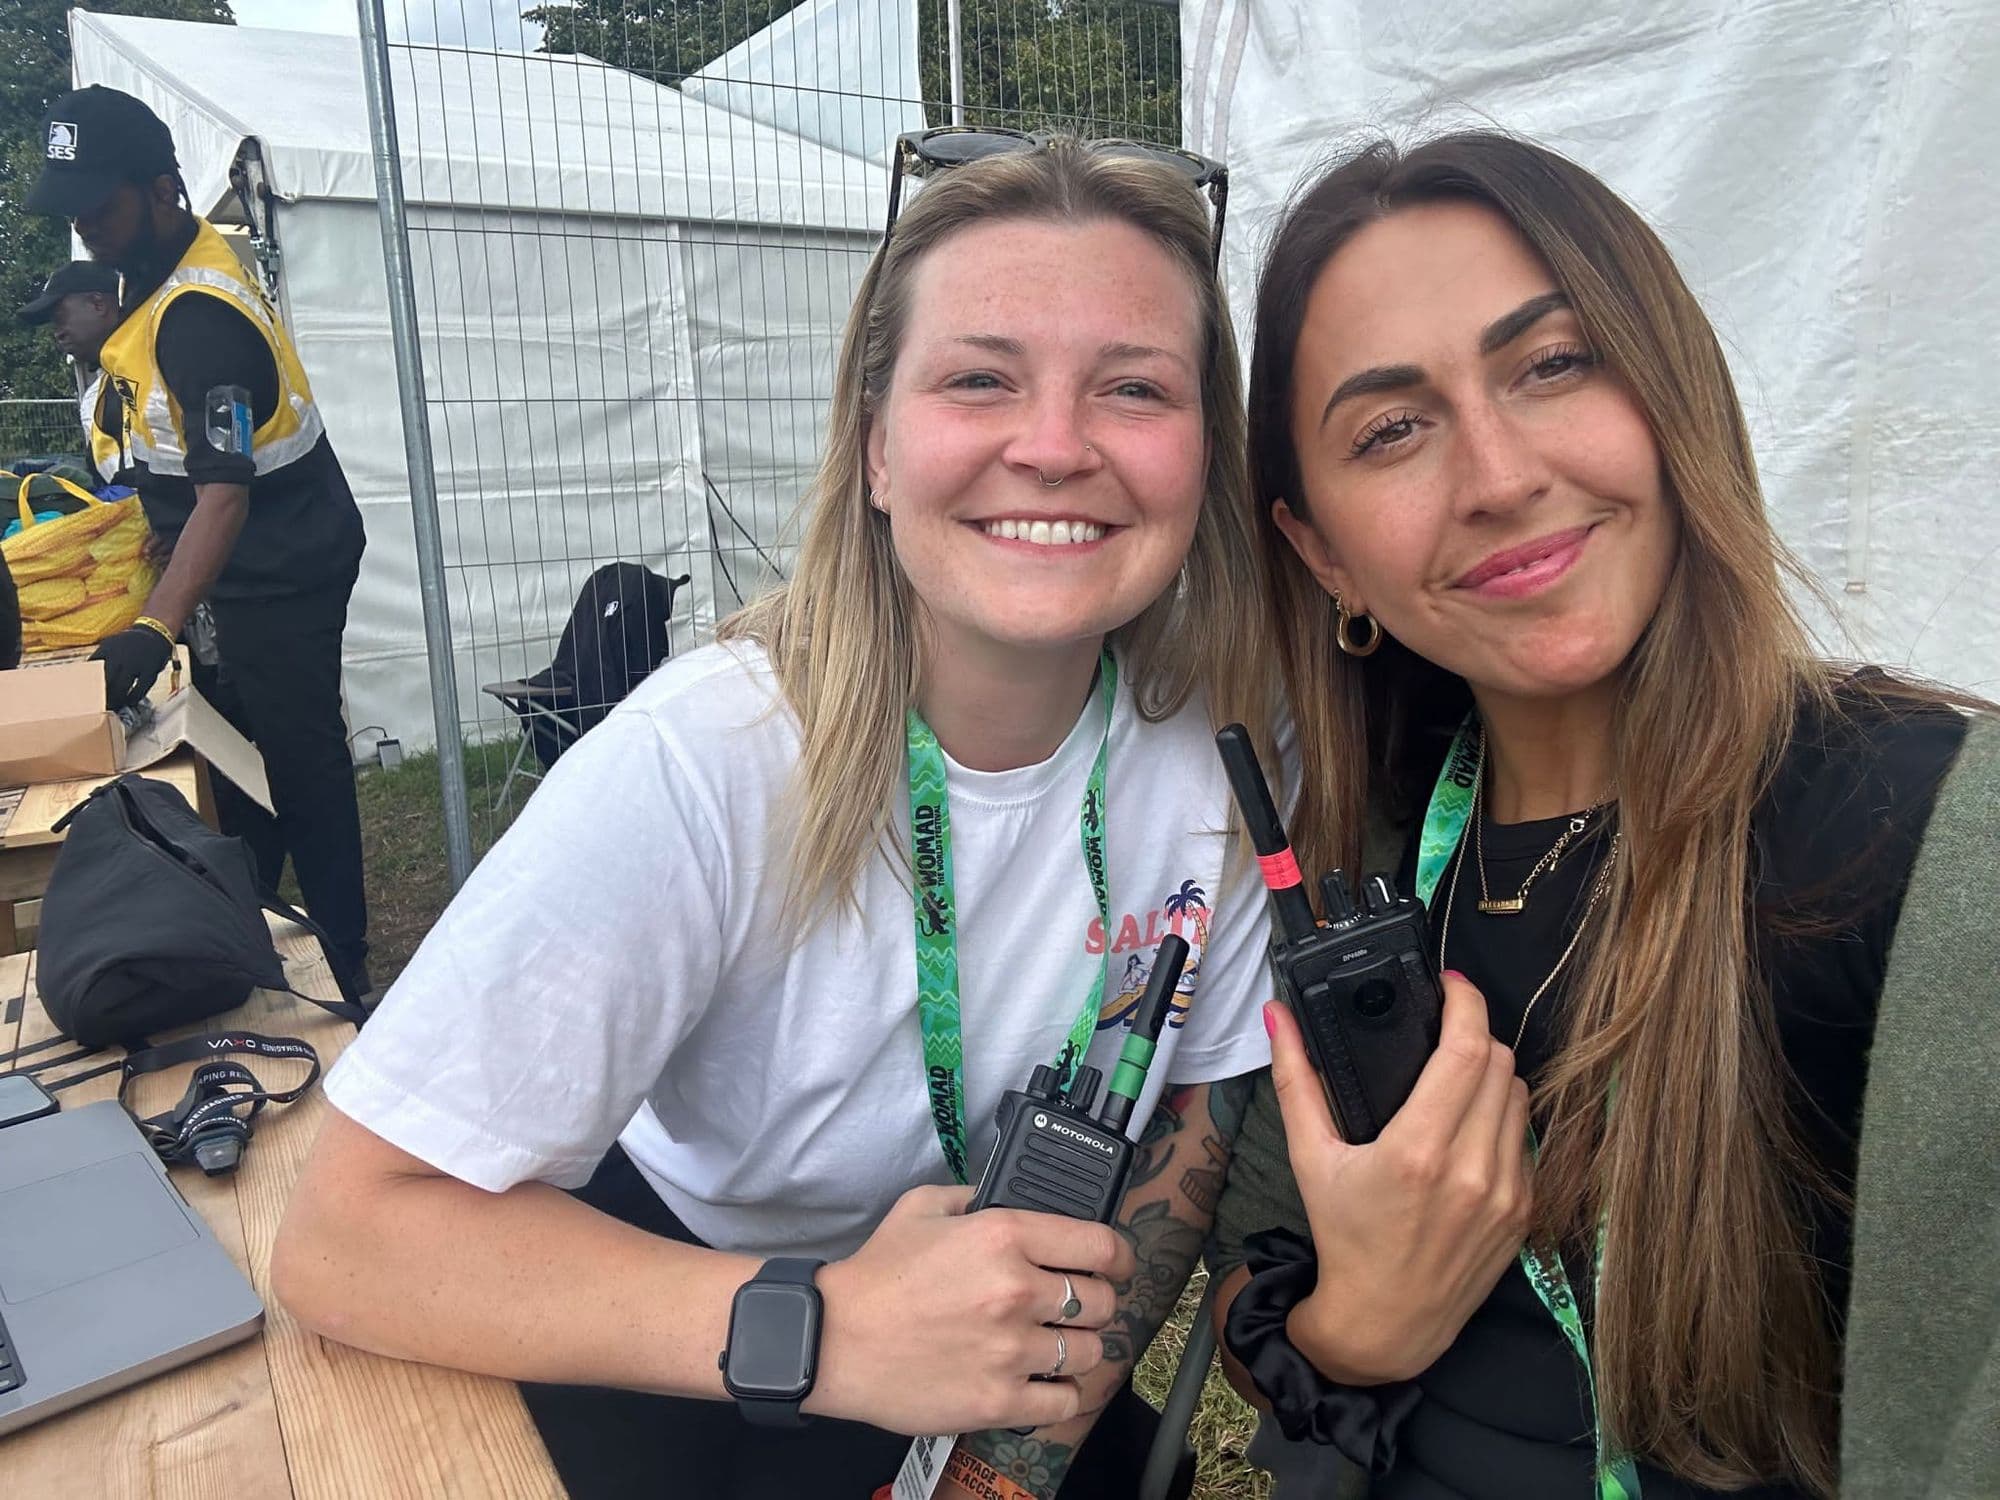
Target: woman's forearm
{"x":529,"y":1284}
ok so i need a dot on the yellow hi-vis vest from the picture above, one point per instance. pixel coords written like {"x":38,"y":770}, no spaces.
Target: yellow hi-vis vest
{"x":107,"y":453}
{"x":155,"y":426}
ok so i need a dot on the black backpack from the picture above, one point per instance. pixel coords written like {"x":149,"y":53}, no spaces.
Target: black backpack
{"x":153,"y":920}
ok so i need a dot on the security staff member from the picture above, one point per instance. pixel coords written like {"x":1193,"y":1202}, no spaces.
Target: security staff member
{"x":80,"y":305}
{"x":271,"y":535}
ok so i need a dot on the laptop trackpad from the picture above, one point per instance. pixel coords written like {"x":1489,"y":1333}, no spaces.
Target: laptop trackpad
{"x":81,"y":1224}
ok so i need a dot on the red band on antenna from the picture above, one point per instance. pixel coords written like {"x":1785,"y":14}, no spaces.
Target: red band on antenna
{"x":1280,"y":870}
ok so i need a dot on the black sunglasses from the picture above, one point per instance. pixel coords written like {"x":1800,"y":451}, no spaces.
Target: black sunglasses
{"x":946,"y":146}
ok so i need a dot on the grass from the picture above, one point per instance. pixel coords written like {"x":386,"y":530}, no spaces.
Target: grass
{"x":402,"y":832}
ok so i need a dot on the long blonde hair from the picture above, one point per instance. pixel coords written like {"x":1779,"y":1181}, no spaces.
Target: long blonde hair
{"x":1714,"y":1354}
{"x":843,"y":633}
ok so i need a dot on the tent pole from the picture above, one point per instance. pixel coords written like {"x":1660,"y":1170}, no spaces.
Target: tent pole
{"x":955,"y":40}
{"x":394,"y":218}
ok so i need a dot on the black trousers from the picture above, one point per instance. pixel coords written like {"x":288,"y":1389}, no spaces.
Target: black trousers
{"x":625,"y":1445}
{"x":278,"y":683}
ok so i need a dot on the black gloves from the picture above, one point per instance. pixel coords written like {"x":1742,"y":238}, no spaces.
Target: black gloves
{"x":132,"y":659}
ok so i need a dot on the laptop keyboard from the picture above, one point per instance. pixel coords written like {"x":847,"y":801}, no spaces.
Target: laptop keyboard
{"x":10,"y":1372}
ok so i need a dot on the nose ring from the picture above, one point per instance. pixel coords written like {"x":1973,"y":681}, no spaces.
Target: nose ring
{"x":1047,"y":482}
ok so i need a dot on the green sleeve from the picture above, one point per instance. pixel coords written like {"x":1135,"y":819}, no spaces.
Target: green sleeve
{"x":1920,"y":1412}
{"x":1261,"y":1192}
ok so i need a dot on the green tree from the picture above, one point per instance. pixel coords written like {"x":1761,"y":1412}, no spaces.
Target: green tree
{"x":1101,"y":67}
{"x":664,"y":40}
{"x":1097,"y":67}
{"x":34,"y":69}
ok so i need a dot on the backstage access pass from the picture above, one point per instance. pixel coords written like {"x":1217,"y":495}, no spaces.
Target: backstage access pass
{"x":922,"y":1467}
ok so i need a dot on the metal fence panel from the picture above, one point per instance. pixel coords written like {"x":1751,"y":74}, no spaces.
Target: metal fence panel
{"x":631,"y":270}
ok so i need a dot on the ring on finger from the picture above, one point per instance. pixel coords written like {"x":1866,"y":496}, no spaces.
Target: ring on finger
{"x":1072,"y":1304}
{"x":1062,"y":1355}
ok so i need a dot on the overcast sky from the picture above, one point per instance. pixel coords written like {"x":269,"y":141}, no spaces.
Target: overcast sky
{"x":474,"y":23}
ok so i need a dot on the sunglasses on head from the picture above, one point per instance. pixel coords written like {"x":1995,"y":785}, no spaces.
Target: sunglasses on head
{"x":947,"y":146}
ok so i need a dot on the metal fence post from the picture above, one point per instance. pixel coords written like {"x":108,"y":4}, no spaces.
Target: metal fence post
{"x":956,"y":42}
{"x":416,"y":438}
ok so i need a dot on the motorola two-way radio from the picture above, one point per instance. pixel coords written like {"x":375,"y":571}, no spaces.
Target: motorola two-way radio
{"x":1362,"y":983}
{"x":1053,"y":1156}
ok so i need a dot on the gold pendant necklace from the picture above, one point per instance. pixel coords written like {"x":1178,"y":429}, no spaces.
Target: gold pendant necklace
{"x":1597,"y":889}
{"x":1508,"y":906}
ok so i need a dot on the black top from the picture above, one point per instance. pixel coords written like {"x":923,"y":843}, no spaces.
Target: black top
{"x":1504,"y":1412}
{"x":304,"y":529}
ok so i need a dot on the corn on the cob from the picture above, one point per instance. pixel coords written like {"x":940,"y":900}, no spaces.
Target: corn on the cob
{"x":55,"y":596}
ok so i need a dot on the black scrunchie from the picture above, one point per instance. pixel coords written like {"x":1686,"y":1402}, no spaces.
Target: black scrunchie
{"x":1360,"y":1421}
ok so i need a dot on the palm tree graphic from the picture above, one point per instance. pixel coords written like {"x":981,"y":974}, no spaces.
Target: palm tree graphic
{"x":1190,"y":901}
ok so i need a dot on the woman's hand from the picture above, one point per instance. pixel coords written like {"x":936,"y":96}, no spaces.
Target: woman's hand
{"x":936,"y":1323}
{"x":1414,"y":1229}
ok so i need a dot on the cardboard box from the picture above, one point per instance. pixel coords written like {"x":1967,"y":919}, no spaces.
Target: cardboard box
{"x":54,"y":729}
{"x":53,"y":725}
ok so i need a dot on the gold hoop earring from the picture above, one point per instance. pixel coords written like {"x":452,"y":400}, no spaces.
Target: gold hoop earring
{"x":1347,"y":644}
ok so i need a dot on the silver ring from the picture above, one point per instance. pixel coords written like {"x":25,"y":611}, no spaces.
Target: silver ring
{"x":1062,"y":1355}
{"x":1072,"y":1304}
{"x":1048,"y":483}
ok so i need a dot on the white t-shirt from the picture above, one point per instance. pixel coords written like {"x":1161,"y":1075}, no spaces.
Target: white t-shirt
{"x":616,"y":967}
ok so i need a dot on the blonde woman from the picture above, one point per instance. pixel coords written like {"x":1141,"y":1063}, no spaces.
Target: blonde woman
{"x":1686,"y":876}
{"x":693,"y":981}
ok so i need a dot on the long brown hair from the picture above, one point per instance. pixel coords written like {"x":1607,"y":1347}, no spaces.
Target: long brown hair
{"x":843,"y":634}
{"x":1713,"y":1350}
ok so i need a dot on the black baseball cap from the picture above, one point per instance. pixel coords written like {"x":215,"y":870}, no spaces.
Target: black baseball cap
{"x":77,"y":276}
{"x":93,"y":140}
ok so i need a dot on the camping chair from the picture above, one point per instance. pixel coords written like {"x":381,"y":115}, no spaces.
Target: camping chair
{"x":616,"y":636}
{"x":528,"y":701}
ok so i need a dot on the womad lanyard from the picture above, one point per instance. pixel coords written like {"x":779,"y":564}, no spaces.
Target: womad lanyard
{"x":937,"y":923}
{"x":1444,"y":826}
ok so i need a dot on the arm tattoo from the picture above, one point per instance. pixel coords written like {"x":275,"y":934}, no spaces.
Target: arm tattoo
{"x":1228,"y":1102}
{"x":1165,"y":1247}
{"x":1156,"y":1142}
{"x":1032,"y":1463}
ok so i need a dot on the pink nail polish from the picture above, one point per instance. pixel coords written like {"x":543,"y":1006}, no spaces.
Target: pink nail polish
{"x":1454,"y":974}
{"x":1270,"y":1025}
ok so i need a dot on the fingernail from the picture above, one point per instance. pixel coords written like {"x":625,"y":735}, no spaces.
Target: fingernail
{"x":1270,"y":1022}
{"x":1454,"y":974}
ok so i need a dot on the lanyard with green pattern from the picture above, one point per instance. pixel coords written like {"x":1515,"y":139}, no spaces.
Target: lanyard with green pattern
{"x":937,"y":923}
{"x":1444,"y":825}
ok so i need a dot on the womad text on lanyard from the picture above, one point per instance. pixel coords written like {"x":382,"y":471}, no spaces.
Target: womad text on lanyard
{"x":937,"y":923}
{"x":1444,"y":826}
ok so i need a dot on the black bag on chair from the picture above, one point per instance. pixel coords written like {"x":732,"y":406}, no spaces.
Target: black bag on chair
{"x":153,"y":920}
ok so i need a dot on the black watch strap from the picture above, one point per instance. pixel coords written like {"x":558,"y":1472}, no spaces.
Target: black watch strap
{"x":771,"y":1410}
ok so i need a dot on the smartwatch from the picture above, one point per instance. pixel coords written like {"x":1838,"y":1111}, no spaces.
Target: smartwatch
{"x":773,"y":1353}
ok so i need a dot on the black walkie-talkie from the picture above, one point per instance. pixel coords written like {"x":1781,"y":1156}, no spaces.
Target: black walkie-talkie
{"x":1363,"y":984}
{"x":1052,"y":1155}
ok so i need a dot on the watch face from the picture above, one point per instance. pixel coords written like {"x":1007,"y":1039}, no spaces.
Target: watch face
{"x":773,"y":1341}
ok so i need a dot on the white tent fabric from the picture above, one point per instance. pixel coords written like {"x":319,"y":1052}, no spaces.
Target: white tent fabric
{"x":1822,"y":173}
{"x":629,"y":303}
{"x":839,"y":72}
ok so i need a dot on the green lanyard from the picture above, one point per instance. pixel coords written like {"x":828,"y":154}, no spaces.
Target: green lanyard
{"x":937,"y":924}
{"x":1444,"y":826}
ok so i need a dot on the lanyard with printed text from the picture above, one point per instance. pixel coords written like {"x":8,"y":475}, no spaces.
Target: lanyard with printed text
{"x":937,"y":923}
{"x":1444,"y":825}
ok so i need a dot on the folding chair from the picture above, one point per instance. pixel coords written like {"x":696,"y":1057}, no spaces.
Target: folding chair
{"x":530,"y":701}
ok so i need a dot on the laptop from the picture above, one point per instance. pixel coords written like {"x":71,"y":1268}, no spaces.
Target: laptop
{"x":106,"y":1276}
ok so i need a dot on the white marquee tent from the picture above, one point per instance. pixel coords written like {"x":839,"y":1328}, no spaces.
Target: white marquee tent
{"x":629,"y":302}
{"x":1822,"y":172}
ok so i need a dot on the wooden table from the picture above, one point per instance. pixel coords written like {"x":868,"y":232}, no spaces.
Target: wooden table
{"x":286,"y":1413}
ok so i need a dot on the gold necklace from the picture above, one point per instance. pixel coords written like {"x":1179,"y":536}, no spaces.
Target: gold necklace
{"x":1508,"y":906}
{"x":1597,"y":889}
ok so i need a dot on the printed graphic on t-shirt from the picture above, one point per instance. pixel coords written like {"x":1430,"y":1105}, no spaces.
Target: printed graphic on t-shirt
{"x":1137,"y":937}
